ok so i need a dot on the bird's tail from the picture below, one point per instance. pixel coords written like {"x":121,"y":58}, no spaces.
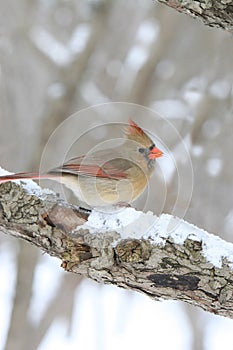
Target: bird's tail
{"x":26,"y":176}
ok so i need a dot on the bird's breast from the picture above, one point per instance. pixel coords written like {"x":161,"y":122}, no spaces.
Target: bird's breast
{"x":102,"y":192}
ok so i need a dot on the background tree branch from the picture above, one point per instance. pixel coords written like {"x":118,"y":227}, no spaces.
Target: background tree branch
{"x":214,"y":13}
{"x":185,"y":263}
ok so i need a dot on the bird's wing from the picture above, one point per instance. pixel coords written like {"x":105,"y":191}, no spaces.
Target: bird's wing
{"x":90,"y":166}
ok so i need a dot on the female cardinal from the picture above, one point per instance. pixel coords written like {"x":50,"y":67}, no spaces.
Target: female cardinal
{"x":106,"y":177}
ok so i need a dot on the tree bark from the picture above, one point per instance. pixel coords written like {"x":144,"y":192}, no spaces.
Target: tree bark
{"x":157,"y":264}
{"x":214,"y":13}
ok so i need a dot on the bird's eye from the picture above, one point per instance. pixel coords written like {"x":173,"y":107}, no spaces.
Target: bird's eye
{"x":141,"y":150}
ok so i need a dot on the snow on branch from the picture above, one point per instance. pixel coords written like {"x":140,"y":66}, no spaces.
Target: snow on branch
{"x":163,"y":257}
{"x":214,"y":13}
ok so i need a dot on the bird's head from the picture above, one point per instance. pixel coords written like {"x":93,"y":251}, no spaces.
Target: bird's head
{"x":146,"y":146}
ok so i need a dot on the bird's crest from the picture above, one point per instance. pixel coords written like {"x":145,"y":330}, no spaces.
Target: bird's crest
{"x":135,"y":133}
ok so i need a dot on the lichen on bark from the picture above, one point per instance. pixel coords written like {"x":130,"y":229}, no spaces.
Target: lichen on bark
{"x":161,"y":271}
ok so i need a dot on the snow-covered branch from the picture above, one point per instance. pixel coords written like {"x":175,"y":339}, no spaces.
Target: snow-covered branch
{"x":215,"y":13}
{"x":163,"y":257}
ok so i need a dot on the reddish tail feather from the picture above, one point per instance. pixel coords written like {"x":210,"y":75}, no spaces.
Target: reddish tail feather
{"x":21,"y":176}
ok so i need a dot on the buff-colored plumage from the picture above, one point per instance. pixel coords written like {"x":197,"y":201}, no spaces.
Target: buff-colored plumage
{"x":135,"y":133}
{"x":107,"y":177}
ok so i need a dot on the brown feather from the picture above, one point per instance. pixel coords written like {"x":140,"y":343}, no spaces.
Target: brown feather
{"x":104,"y":171}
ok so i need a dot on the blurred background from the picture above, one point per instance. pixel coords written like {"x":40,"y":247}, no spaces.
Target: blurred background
{"x":58,"y":57}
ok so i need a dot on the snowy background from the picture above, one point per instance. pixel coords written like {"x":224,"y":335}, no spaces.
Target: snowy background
{"x":58,"y":57}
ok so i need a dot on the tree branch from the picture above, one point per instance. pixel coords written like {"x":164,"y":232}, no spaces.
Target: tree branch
{"x":214,"y":13}
{"x":163,"y":257}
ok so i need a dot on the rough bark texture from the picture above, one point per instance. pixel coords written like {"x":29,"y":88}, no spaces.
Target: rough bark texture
{"x":170,"y":272}
{"x":214,"y":13}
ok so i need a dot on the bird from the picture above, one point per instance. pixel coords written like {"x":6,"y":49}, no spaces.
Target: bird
{"x":108,"y":177}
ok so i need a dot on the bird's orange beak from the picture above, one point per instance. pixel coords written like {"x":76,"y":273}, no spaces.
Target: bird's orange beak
{"x":155,"y":153}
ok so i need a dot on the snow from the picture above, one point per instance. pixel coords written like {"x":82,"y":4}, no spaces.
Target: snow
{"x":137,"y":57}
{"x":107,"y":317}
{"x":29,"y":185}
{"x":7,"y":286}
{"x":61,"y":54}
{"x":79,"y":39}
{"x":218,"y":331}
{"x":51,"y":47}
{"x":45,"y":276}
{"x":214,"y":166}
{"x":130,"y":223}
{"x":220,"y":89}
{"x":197,"y":150}
{"x":32,"y":188}
{"x":148,"y":32}
{"x":97,"y":321}
{"x":4,"y":172}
